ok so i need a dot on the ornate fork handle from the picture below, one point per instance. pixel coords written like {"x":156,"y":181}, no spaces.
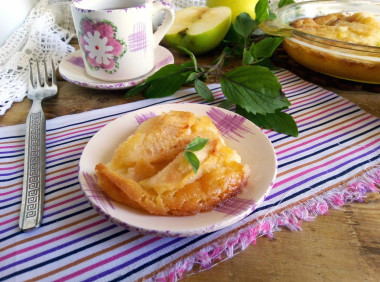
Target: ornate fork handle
{"x":34,"y":169}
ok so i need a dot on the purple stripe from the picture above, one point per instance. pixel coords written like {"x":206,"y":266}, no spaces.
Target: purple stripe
{"x":288,"y":80}
{"x":326,"y":141}
{"x":330,"y":170}
{"x":9,"y":228}
{"x":142,"y":256}
{"x":65,"y":157}
{"x":319,"y":119}
{"x":61,"y":182}
{"x":58,"y":247}
{"x":15,"y":151}
{"x":14,"y":172}
{"x":11,"y":198}
{"x":303,"y":89}
{"x":311,"y":103}
{"x":72,"y":137}
{"x":46,"y":187}
{"x":49,"y":215}
{"x":66,"y":209}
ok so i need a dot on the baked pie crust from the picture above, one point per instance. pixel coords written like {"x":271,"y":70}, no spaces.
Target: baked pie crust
{"x":149,"y":170}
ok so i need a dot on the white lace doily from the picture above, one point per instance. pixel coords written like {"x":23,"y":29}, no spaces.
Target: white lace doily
{"x":44,"y":34}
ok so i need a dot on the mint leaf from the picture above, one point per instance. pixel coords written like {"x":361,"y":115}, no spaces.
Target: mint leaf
{"x":262,"y":11}
{"x":279,"y":121}
{"x":166,"y":72}
{"x":267,"y":63}
{"x":164,"y":82}
{"x":265,"y":48}
{"x":226,"y":105}
{"x":193,"y":160}
{"x":244,"y":25}
{"x":188,"y":64}
{"x":254,"y":88}
{"x":197,"y":144}
{"x":136,"y":90}
{"x":247,"y":57}
{"x":283,"y":3}
{"x":192,"y":56}
{"x":192,"y":77}
{"x":203,"y":90}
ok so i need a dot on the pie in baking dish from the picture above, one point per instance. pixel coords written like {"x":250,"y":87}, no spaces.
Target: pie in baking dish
{"x":360,"y":28}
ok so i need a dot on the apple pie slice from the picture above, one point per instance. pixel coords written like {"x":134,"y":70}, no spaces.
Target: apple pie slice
{"x":149,"y":170}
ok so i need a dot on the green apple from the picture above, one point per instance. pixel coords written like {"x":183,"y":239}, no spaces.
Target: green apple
{"x":199,"y":29}
{"x":237,"y":6}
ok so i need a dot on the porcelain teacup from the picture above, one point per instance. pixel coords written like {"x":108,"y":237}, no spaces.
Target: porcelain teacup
{"x":116,"y":37}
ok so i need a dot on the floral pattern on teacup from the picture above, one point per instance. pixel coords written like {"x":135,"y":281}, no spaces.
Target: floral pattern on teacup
{"x":102,"y":48}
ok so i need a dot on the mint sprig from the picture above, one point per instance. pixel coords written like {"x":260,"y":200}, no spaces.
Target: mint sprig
{"x":252,"y":88}
{"x":196,"y":145}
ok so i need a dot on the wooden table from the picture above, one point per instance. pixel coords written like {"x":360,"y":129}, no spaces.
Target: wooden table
{"x":343,"y":246}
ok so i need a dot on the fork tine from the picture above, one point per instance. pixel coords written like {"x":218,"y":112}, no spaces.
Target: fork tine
{"x":30,"y":84}
{"x":38,"y":75}
{"x":46,"y":76}
{"x":53,"y":76}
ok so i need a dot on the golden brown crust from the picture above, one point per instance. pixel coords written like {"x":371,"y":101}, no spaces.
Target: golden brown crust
{"x":162,"y":182}
{"x":332,"y":60}
{"x":360,"y":28}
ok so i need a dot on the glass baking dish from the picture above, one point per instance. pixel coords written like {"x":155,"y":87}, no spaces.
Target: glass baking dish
{"x":332,"y":57}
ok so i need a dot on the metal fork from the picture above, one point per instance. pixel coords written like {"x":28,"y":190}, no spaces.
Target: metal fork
{"x":33,"y":190}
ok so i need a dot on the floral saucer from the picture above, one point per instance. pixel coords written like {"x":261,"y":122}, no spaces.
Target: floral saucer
{"x":72,"y":69}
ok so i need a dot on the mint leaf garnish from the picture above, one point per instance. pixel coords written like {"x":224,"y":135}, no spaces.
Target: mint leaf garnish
{"x":195,"y":145}
{"x":193,"y":160}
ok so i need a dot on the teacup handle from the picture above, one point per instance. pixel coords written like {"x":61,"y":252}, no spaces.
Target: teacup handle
{"x":161,"y":5}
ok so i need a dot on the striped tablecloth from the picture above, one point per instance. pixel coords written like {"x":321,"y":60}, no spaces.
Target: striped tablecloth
{"x":334,"y":159}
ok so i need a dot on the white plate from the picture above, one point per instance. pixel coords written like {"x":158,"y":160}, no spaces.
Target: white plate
{"x":72,"y":69}
{"x":239,"y":133}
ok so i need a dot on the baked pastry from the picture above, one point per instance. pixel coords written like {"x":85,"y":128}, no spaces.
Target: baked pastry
{"x":360,"y":28}
{"x":149,"y":170}
{"x":338,"y":59}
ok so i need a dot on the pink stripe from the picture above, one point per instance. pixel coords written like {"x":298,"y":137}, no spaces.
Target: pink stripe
{"x":65,"y":152}
{"x":74,"y":132}
{"x":64,"y":202}
{"x":51,"y":179}
{"x":49,"y":207}
{"x":12,"y":167}
{"x":314,"y":97}
{"x":9,"y":220}
{"x":302,"y":85}
{"x":324,"y":164}
{"x":313,"y":116}
{"x":322,"y":112}
{"x":285,"y":75}
{"x":321,"y":136}
{"x":14,"y":146}
{"x":35,"y":246}
{"x":61,"y":176}
{"x":108,"y":260}
{"x":10,"y":192}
